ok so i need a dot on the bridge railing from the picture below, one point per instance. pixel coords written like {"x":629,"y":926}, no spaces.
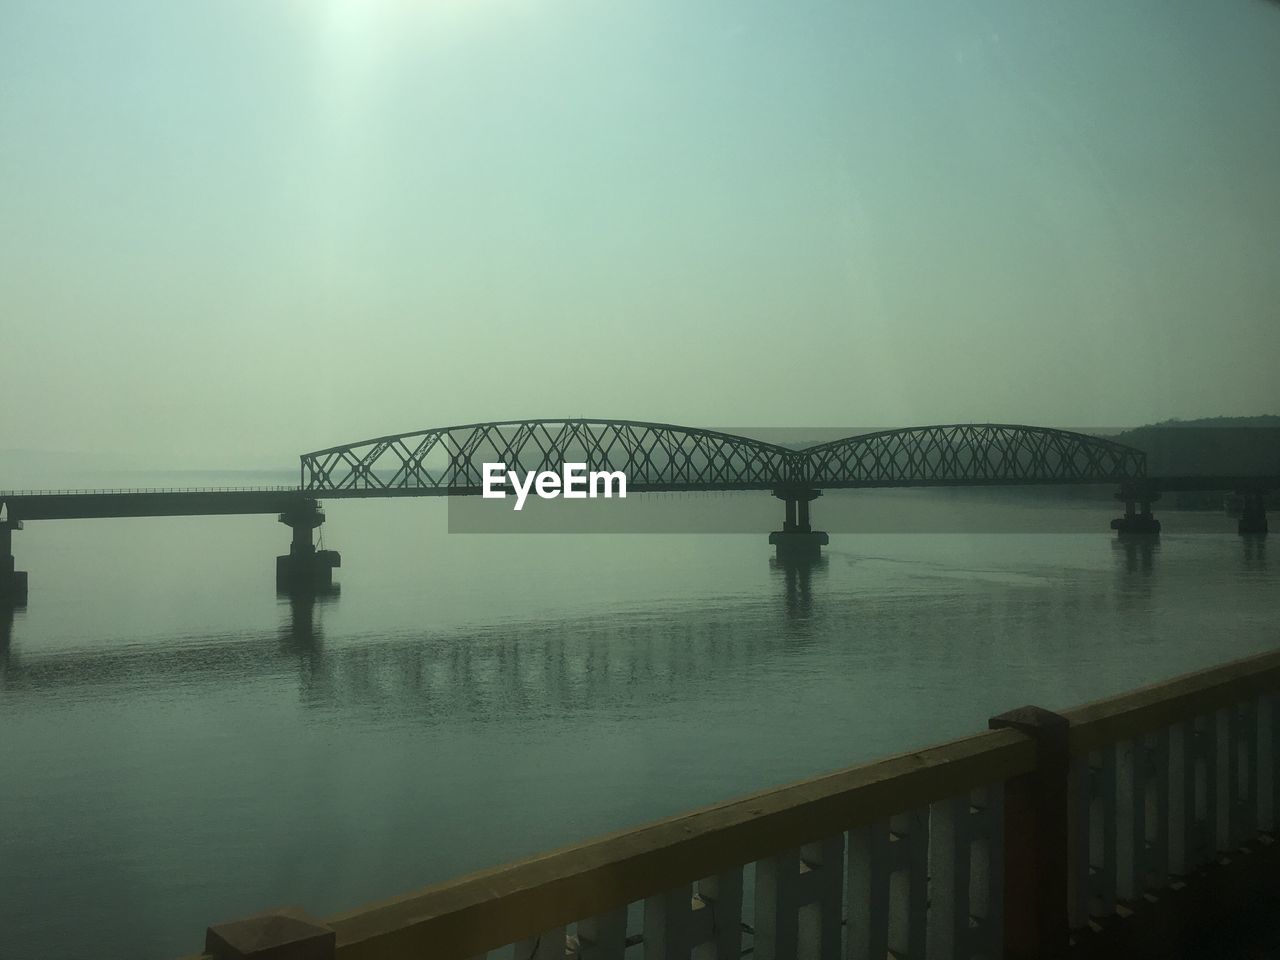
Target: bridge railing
{"x":1169,"y":781}
{"x":1006,"y":843}
{"x":765,"y":874}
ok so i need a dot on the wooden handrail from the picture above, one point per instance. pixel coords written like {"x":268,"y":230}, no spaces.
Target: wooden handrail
{"x":470,"y":915}
{"x":1149,"y":708}
{"x":464,"y":917}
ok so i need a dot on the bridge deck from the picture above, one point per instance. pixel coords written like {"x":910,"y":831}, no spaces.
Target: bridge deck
{"x":69,"y":505}
{"x":89,"y":504}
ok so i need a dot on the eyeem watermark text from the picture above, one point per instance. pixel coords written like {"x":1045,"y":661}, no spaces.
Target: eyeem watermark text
{"x":573,"y":483}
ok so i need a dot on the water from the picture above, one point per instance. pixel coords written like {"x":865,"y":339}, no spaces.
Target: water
{"x":179,"y":746}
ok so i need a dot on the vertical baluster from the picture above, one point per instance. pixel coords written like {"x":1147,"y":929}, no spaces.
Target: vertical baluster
{"x":949,"y":848}
{"x":603,"y":937}
{"x":1105,"y":807}
{"x":1181,"y":797}
{"x":868,"y":892}
{"x":548,"y":945}
{"x":909,"y":883}
{"x":1269,"y":762}
{"x":722,"y":895}
{"x":1274,"y":714}
{"x":1193,"y":788}
{"x":1214,"y":732}
{"x":1080,"y":886}
{"x":821,"y":917}
{"x":667,"y":924}
{"x":1228,"y":729}
{"x":1247,"y":762}
{"x":777,"y":906}
{"x":1197,"y":793}
{"x":1157,"y":810}
{"x":1130,"y":828}
{"x":987,"y":879}
{"x":1094,"y":818}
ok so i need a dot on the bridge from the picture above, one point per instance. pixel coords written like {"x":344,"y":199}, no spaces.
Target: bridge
{"x":666,"y":457}
{"x":654,"y":457}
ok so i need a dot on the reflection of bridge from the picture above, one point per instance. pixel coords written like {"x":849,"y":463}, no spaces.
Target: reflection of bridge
{"x":448,"y":461}
{"x":564,"y":666}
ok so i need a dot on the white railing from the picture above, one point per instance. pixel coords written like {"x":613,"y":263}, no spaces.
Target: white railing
{"x":1154,"y":808}
{"x":1024,"y":841}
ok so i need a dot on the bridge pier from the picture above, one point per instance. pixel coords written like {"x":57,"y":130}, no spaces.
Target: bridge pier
{"x":1137,"y":519}
{"x":13,"y":583}
{"x":304,"y":569}
{"x":1253,"y":516}
{"x":797,"y":540}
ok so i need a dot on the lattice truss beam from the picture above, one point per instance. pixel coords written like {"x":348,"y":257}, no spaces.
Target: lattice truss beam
{"x":658,"y":456}
{"x":652,"y":455}
{"x":972,"y":453}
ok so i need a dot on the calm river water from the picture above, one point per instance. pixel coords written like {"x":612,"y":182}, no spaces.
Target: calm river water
{"x":180,"y":746}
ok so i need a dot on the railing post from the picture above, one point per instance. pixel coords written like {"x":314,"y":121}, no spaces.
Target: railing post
{"x":288,"y":933}
{"x":1036,"y":834}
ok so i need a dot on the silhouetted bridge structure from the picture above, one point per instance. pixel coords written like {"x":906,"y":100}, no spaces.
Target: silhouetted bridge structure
{"x":654,"y":457}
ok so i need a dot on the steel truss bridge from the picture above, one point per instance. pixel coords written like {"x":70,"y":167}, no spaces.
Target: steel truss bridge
{"x":664,"y":457}
{"x":449,"y":461}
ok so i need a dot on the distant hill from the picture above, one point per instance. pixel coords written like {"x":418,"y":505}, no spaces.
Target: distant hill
{"x":1266,"y":420}
{"x":1210,"y":446}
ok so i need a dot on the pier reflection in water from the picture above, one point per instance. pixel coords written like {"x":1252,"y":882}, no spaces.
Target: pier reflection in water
{"x":7,"y":615}
{"x":298,"y":630}
{"x":1255,"y":554}
{"x":340,"y":748}
{"x":798,"y":576}
{"x":1138,"y":552}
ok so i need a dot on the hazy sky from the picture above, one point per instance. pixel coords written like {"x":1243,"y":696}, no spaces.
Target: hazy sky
{"x":233,"y":231}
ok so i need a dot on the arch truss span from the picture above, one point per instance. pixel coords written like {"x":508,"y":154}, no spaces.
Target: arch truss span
{"x":450,"y":460}
{"x":971,"y":453}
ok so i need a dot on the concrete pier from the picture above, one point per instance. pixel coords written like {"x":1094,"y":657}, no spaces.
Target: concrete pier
{"x":304,"y":569}
{"x":13,"y":583}
{"x":1253,"y":516}
{"x":797,"y":540}
{"x":1137,"y":519}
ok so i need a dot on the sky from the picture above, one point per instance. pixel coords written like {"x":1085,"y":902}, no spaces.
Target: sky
{"x":235,"y":231}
